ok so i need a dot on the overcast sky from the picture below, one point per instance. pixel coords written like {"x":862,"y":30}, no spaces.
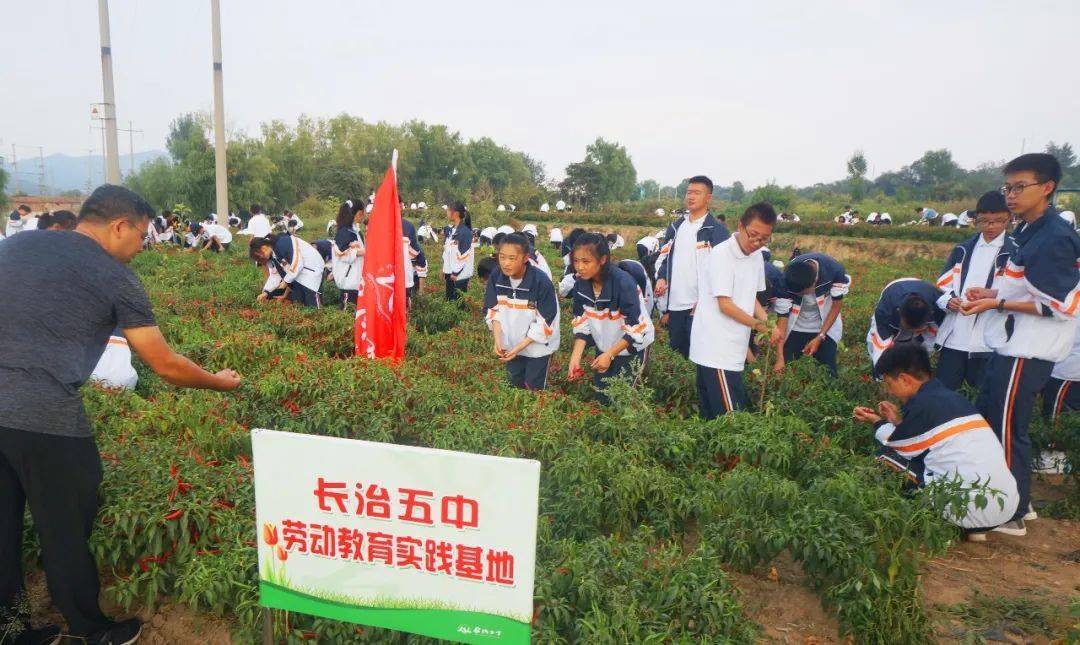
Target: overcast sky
{"x":783,"y":90}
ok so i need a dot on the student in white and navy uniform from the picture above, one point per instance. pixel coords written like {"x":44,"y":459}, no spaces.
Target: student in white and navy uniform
{"x":683,"y":260}
{"x":555,"y":237}
{"x":641,"y":278}
{"x":347,"y":253}
{"x":234,"y":220}
{"x":813,"y":290}
{"x":522,"y":311}
{"x":505,"y":229}
{"x":907,"y":308}
{"x":950,"y":219}
{"x":458,"y":257}
{"x":113,"y":369}
{"x":608,"y":315}
{"x":415,"y":261}
{"x":975,"y":262}
{"x":293,"y":263}
{"x":258,"y":225}
{"x":569,"y":279}
{"x":728,"y":312}
{"x":939,"y":436}
{"x":212,"y":236}
{"x":487,"y":235}
{"x":1032,"y":315}
{"x":647,"y":246}
{"x":1062,"y":393}
{"x":425,"y":232}
{"x":963,"y":220}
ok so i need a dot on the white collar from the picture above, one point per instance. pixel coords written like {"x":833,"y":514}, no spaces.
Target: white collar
{"x":998,"y":241}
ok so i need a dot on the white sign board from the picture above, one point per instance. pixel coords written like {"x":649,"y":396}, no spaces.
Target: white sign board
{"x":427,"y":541}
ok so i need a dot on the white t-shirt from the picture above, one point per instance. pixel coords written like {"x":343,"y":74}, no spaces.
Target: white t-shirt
{"x":966,"y":332}
{"x":257,"y":226}
{"x":217,"y":230}
{"x":809,"y":318}
{"x":489,"y":232}
{"x":683,"y":289}
{"x":717,"y":341}
{"x":505,"y":229}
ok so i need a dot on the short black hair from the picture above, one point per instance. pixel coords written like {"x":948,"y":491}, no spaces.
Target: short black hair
{"x":517,"y":239}
{"x":761,"y":211}
{"x":905,"y":358}
{"x":256,"y":209}
{"x":486,"y":266}
{"x":110,"y":202}
{"x":24,"y":208}
{"x":64,"y":219}
{"x":497,"y":240}
{"x":1045,"y":166}
{"x":44,"y":221}
{"x":611,"y":238}
{"x":701,"y":179}
{"x":991,"y":202}
{"x":914,"y":311}
{"x":799,"y":276}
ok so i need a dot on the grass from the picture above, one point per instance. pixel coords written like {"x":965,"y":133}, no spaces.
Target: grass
{"x":1020,"y":616}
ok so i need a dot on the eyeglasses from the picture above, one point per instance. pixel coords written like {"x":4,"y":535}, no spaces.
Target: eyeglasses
{"x":1016,"y":189}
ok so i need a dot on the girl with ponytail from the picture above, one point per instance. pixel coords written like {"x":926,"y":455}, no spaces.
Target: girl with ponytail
{"x":347,"y":252}
{"x":458,"y":251}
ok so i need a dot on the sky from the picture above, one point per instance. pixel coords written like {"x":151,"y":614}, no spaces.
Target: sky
{"x":781,"y":91}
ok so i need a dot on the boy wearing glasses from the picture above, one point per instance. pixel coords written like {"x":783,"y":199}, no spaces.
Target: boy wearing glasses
{"x":1031,"y":315}
{"x":728,"y":312}
{"x":973,"y":263}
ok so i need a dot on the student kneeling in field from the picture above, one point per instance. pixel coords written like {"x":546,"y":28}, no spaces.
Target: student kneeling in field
{"x":938,"y":435}
{"x":907,"y":308}
{"x":292,"y":262}
{"x":522,"y":312}
{"x":113,"y":369}
{"x":609,"y":314}
{"x":728,"y":312}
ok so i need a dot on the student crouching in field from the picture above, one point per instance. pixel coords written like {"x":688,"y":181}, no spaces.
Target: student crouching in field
{"x":522,"y":312}
{"x":347,"y":254}
{"x":814,"y":286}
{"x":609,"y":314}
{"x":728,"y":312}
{"x":975,"y":262}
{"x":293,"y":264}
{"x":907,"y":308}
{"x":938,"y":435}
{"x":457,"y":260}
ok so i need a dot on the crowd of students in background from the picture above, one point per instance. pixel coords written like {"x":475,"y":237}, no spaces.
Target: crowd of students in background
{"x":1001,"y":317}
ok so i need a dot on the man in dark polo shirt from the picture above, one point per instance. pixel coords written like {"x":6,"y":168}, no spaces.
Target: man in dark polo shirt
{"x":64,"y":294}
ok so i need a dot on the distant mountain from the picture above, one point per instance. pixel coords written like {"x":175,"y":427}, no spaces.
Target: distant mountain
{"x":64,"y":172}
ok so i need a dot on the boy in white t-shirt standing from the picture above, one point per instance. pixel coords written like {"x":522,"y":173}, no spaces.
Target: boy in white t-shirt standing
{"x":728,"y":312}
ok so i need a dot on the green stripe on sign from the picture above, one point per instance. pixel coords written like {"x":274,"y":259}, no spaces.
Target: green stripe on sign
{"x":448,"y":624}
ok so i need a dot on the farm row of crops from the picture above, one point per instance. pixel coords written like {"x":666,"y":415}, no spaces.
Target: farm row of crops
{"x":643,"y":507}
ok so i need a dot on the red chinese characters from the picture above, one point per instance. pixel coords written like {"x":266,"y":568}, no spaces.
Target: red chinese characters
{"x":411,"y":504}
{"x":439,"y":557}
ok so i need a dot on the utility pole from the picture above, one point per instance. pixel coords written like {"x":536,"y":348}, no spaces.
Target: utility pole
{"x":41,"y":177}
{"x":131,"y":146}
{"x":15,"y":168}
{"x":220,"y":169}
{"x":89,"y":170}
{"x":112,"y":158}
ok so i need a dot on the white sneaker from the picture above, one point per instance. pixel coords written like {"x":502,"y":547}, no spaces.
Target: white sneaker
{"x":1014,"y":527}
{"x":1031,"y":514}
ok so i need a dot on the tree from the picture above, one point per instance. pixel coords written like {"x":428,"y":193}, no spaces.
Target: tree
{"x":781,"y":197}
{"x":582,"y":183}
{"x":616,"y":177}
{"x":856,"y":168}
{"x":648,"y":189}
{"x":738,"y":191}
{"x":1063,"y":153}
{"x":3,"y":187}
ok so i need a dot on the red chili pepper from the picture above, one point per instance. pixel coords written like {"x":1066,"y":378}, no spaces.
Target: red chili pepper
{"x":174,"y":515}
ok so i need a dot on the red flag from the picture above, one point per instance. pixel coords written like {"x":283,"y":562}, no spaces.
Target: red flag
{"x":381,"y":310}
